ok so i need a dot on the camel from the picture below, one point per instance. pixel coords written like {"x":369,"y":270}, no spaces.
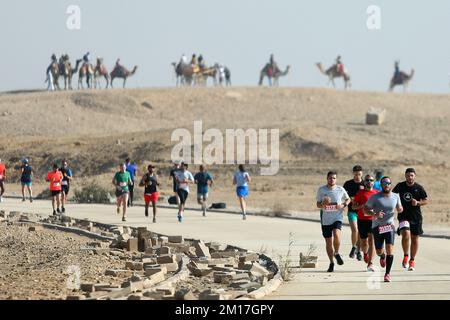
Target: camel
{"x":204,"y":74}
{"x":185,"y":73}
{"x":86,"y":71}
{"x":272,"y":74}
{"x":121,"y":72}
{"x":100,"y":71}
{"x":402,"y":79}
{"x":67,"y":72}
{"x":332,"y":73}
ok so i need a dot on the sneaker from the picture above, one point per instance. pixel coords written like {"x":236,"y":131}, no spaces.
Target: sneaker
{"x":370,"y":267}
{"x":57,"y":210}
{"x":331,"y":267}
{"x":359,"y":256}
{"x":339,"y":259}
{"x":204,"y":213}
{"x":244,"y":217}
{"x":63,"y":209}
{"x":23,"y":199}
{"x":366,"y":258}
{"x":352,"y":253}
{"x":124,"y":219}
{"x":405,"y":262}
{"x":387,"y":278}
{"x":383,"y":261}
{"x":180,"y":218}
{"x":411,"y":265}
{"x":154,"y":220}
{"x":31,"y":199}
{"x":54,"y":212}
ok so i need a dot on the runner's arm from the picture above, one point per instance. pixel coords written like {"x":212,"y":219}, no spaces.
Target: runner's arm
{"x":422,"y":202}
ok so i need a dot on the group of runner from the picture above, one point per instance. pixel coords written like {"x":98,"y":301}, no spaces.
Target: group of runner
{"x":181,"y":178}
{"x":371,"y":217}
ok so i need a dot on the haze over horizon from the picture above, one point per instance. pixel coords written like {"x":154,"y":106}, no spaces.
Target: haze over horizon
{"x":239,"y":34}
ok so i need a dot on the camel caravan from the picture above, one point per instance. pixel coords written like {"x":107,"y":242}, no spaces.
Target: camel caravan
{"x":88,"y":73}
{"x":197,"y":73}
{"x":194,"y":72}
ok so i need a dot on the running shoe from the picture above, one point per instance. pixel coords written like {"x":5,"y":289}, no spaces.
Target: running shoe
{"x":405,"y":262}
{"x":23,"y":199}
{"x":339,"y":259}
{"x":387,"y":278}
{"x":331,"y":267}
{"x":383,"y":261}
{"x":57,"y":210}
{"x":352,"y":253}
{"x":411,"y":265}
{"x":244,"y":217}
{"x":154,"y":220}
{"x":31,"y":199}
{"x":358,"y":256}
{"x":370,"y":267}
{"x":180,"y":218}
{"x":124,"y":219}
{"x":54,"y":212}
{"x":63,"y":209}
{"x":366,"y":258}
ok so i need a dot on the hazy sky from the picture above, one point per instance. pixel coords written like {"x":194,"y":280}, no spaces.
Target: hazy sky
{"x":238,"y":33}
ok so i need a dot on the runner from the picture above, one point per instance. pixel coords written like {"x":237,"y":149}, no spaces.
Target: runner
{"x":332,"y":199}
{"x":352,"y":187}
{"x":150,"y":182}
{"x":364,"y":221}
{"x":203,"y":179}
{"x":65,"y":184}
{"x":413,"y":196}
{"x":241,"y":180}
{"x":378,"y":176}
{"x":382,"y":206}
{"x":184,"y":177}
{"x":26,"y":178}
{"x":55,"y":178}
{"x":2,"y":179}
{"x":131,"y":168}
{"x":121,"y":181}
{"x":172,"y":175}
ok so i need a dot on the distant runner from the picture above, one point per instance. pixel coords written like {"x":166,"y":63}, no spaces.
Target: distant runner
{"x":26,"y":178}
{"x":184,"y":178}
{"x":150,"y":183}
{"x":121,"y":181}
{"x":352,"y":187}
{"x":2,"y":179}
{"x":172,"y":175}
{"x":55,"y":178}
{"x":241,"y":180}
{"x":413,"y":197}
{"x":65,"y":184}
{"x":365,"y":221}
{"x":332,"y":199}
{"x":131,"y":168}
{"x":382,"y":206}
{"x":203,"y":179}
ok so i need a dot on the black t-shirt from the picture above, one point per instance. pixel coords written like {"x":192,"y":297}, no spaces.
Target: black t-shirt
{"x":352,"y":189}
{"x":174,"y":179}
{"x":407,"y":193}
{"x":151,"y":184}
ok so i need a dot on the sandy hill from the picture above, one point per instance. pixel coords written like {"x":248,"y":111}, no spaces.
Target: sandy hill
{"x":319,"y":129}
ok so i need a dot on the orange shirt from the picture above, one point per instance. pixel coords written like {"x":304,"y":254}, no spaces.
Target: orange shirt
{"x":2,"y":171}
{"x":55,"y":180}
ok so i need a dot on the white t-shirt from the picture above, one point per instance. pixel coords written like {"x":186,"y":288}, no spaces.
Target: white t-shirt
{"x":241,"y":178}
{"x":330,"y":214}
{"x":184,"y":175}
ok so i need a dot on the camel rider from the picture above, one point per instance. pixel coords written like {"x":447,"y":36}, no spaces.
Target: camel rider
{"x":118,"y":65}
{"x":194,"y":60}
{"x":201,"y":62}
{"x":184,"y":59}
{"x":54,"y":60}
{"x":397,"y":70}
{"x":86,"y":57}
{"x":273,"y":65}
{"x":339,"y":65}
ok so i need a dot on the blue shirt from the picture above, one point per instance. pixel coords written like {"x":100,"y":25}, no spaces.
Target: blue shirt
{"x":131,"y":168}
{"x":202,"y":179}
{"x":377,"y":185}
{"x":26,"y":174}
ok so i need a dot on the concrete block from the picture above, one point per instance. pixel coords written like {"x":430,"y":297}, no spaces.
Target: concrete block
{"x":135,"y":296}
{"x":184,"y":294}
{"x":132,"y":244}
{"x":259,"y":270}
{"x":35,"y":228}
{"x":118,"y":273}
{"x":375,"y":117}
{"x":87,"y":287}
{"x":167,"y":290}
{"x":158,"y":277}
{"x":164,"y":250}
{"x":154,"y":270}
{"x":157,"y":295}
{"x":201,"y":250}
{"x":171,"y":267}
{"x":124,"y":237}
{"x":169,"y":258}
{"x":76,"y":297}
{"x":176,"y":239}
{"x":249,"y":257}
{"x":133,"y":265}
{"x":223,"y":277}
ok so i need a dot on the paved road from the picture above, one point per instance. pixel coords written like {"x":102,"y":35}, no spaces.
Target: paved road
{"x":431,"y":280}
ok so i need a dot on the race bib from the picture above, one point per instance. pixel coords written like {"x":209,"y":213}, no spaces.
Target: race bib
{"x":123,"y":184}
{"x":1,"y":177}
{"x":64,"y":183}
{"x":404,"y":224}
{"x":329,"y":207}
{"x":56,"y":184}
{"x":385,"y":229}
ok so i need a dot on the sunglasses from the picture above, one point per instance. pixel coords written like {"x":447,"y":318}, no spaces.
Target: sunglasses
{"x":386,"y":183}
{"x":369,"y":180}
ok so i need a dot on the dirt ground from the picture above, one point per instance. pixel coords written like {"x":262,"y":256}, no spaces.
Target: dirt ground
{"x":320,"y":130}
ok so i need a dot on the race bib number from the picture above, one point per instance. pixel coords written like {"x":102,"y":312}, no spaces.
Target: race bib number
{"x":329,"y":207}
{"x":404,"y":224}
{"x":385,"y":229}
{"x":123,"y":184}
{"x":56,"y":184}
{"x":64,"y":183}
